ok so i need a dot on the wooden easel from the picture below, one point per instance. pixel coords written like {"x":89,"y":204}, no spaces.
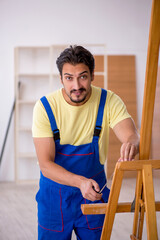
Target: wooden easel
{"x":144,"y":167}
{"x":144,"y":194}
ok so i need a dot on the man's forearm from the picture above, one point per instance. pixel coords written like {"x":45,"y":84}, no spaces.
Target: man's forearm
{"x":60,"y":175}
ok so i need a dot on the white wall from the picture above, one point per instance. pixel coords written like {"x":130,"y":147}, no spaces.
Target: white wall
{"x":123,"y":25}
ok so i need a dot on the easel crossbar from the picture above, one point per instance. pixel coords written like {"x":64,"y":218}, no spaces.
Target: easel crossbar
{"x":138,"y":165}
{"x":100,"y":208}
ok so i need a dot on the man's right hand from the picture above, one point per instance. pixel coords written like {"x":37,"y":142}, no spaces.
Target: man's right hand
{"x":89,"y":189}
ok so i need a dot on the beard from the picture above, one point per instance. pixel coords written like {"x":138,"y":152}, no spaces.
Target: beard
{"x":78,"y":100}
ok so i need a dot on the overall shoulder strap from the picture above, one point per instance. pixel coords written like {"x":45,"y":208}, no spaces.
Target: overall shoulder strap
{"x":51,"y":118}
{"x":99,"y":120}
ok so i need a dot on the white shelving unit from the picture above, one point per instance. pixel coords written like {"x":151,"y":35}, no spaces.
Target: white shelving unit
{"x":36,"y":75}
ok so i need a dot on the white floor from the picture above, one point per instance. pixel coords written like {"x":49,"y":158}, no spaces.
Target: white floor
{"x":18,"y":220}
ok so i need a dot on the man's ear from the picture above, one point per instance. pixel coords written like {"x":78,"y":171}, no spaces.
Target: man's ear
{"x":61,"y":79}
{"x":92,"y":77}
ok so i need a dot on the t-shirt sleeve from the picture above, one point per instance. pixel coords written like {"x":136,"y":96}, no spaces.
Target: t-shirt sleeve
{"x":117,"y":110}
{"x":40,"y":125}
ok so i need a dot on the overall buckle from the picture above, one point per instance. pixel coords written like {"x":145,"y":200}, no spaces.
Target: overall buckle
{"x":97,"y":131}
{"x":56,"y":134}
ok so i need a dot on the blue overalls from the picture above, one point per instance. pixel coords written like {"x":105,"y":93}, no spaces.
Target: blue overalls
{"x":59,"y":206}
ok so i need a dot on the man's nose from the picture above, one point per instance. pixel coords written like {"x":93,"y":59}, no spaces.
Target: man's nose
{"x":76,"y":84}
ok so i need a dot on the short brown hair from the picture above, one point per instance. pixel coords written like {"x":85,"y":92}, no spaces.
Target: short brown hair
{"x":75,"y":55}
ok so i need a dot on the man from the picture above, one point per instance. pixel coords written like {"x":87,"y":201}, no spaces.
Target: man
{"x":71,"y":131}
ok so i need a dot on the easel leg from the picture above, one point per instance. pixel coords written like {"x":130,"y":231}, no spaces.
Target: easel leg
{"x":137,"y":208}
{"x":149,"y":202}
{"x":112,"y":205}
{"x":141,"y":221}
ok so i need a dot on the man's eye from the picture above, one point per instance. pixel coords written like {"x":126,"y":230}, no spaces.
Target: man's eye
{"x":83,"y":76}
{"x":68,"y":78}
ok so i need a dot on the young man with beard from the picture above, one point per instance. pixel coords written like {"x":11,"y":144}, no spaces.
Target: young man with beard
{"x":71,"y":134}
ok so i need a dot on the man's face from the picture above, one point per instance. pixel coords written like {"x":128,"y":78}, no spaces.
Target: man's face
{"x":76,"y":80}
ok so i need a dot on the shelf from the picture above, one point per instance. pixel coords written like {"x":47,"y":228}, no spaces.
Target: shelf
{"x":27,"y":155}
{"x":37,"y":75}
{"x":26,"y":102}
{"x":99,"y":73}
{"x":36,"y":70}
{"x":33,"y":47}
{"x":33,"y":75}
{"x":25,"y":129}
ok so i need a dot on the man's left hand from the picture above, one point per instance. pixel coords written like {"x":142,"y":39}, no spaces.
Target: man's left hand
{"x":128,"y":152}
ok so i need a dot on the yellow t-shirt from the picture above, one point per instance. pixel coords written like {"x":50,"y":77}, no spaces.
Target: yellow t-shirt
{"x":76,"y":123}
